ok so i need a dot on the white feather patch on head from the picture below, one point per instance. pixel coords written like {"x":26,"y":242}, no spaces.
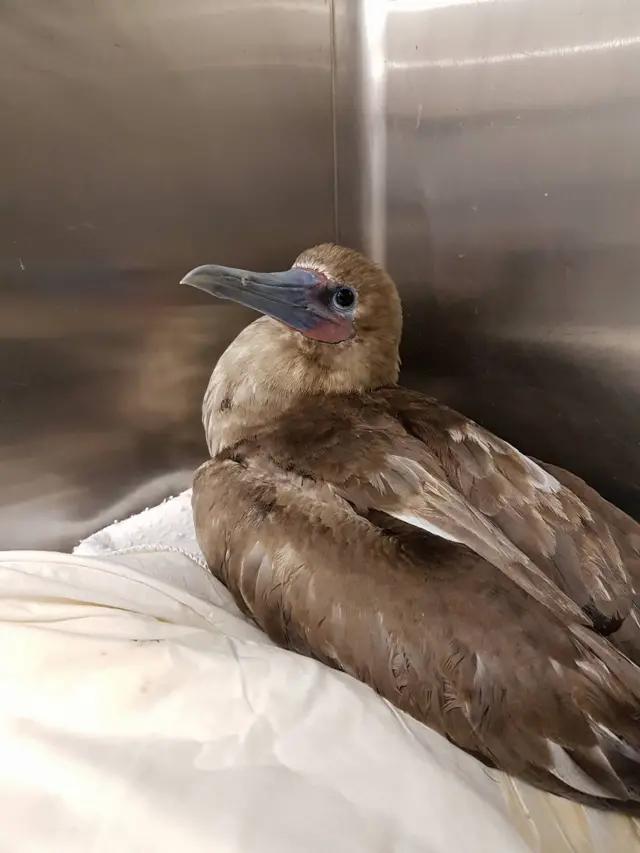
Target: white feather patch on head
{"x":315,"y":266}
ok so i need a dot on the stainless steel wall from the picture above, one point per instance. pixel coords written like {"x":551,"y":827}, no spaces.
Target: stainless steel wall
{"x":499,"y":176}
{"x":487,"y":150}
{"x":139,"y":137}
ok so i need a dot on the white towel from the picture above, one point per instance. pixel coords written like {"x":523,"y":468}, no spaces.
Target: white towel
{"x":167,"y":526}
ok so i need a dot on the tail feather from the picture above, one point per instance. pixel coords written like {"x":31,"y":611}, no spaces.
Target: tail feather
{"x":625,"y":761}
{"x":550,"y":824}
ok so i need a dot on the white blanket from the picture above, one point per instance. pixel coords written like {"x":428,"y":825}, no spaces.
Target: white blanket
{"x":141,"y":713}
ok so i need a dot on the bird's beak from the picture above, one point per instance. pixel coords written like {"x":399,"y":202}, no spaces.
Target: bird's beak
{"x":295,"y":297}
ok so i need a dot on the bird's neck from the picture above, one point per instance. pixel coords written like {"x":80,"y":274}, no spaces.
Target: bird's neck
{"x":238,"y":401}
{"x":267,"y":370}
{"x":255,"y":380}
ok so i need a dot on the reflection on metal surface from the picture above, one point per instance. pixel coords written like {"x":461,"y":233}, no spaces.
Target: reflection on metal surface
{"x":512,"y":184}
{"x":372,"y":23}
{"x":499,"y":58}
{"x":487,"y":150}
{"x":139,"y":139}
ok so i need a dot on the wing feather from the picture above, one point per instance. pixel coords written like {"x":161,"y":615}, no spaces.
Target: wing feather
{"x":570,"y":539}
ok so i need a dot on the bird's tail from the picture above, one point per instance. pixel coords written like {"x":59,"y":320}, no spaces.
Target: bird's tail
{"x":550,"y":824}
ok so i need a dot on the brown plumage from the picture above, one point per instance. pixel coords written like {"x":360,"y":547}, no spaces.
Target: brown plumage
{"x":490,"y":596}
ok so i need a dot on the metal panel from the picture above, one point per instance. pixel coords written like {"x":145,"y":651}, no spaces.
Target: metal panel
{"x":498,"y":175}
{"x":486,"y":149}
{"x":139,"y":137}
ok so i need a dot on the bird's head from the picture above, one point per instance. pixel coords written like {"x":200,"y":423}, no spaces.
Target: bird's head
{"x":334,"y":305}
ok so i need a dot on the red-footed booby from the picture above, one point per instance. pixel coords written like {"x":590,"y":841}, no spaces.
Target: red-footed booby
{"x":493,"y":597}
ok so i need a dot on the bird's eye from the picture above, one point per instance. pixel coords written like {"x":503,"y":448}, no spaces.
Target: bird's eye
{"x":344,"y":298}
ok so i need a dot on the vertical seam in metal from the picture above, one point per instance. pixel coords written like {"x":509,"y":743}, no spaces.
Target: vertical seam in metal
{"x":334,"y":116}
{"x":373,"y":142}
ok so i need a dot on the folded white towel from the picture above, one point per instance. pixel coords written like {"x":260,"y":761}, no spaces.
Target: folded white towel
{"x":167,"y":526}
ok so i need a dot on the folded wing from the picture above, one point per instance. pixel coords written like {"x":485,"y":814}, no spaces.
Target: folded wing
{"x":408,"y":456}
{"x":427,"y":623}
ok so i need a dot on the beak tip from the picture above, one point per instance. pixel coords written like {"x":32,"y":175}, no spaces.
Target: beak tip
{"x":198,"y":278}
{"x":190,"y":276}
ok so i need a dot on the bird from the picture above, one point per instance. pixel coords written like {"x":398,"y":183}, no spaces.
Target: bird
{"x":491,"y":596}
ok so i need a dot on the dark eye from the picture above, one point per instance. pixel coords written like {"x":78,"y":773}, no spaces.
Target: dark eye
{"x":344,"y":298}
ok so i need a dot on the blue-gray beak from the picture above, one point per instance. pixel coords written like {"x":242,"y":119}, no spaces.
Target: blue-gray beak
{"x":299,"y":298}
